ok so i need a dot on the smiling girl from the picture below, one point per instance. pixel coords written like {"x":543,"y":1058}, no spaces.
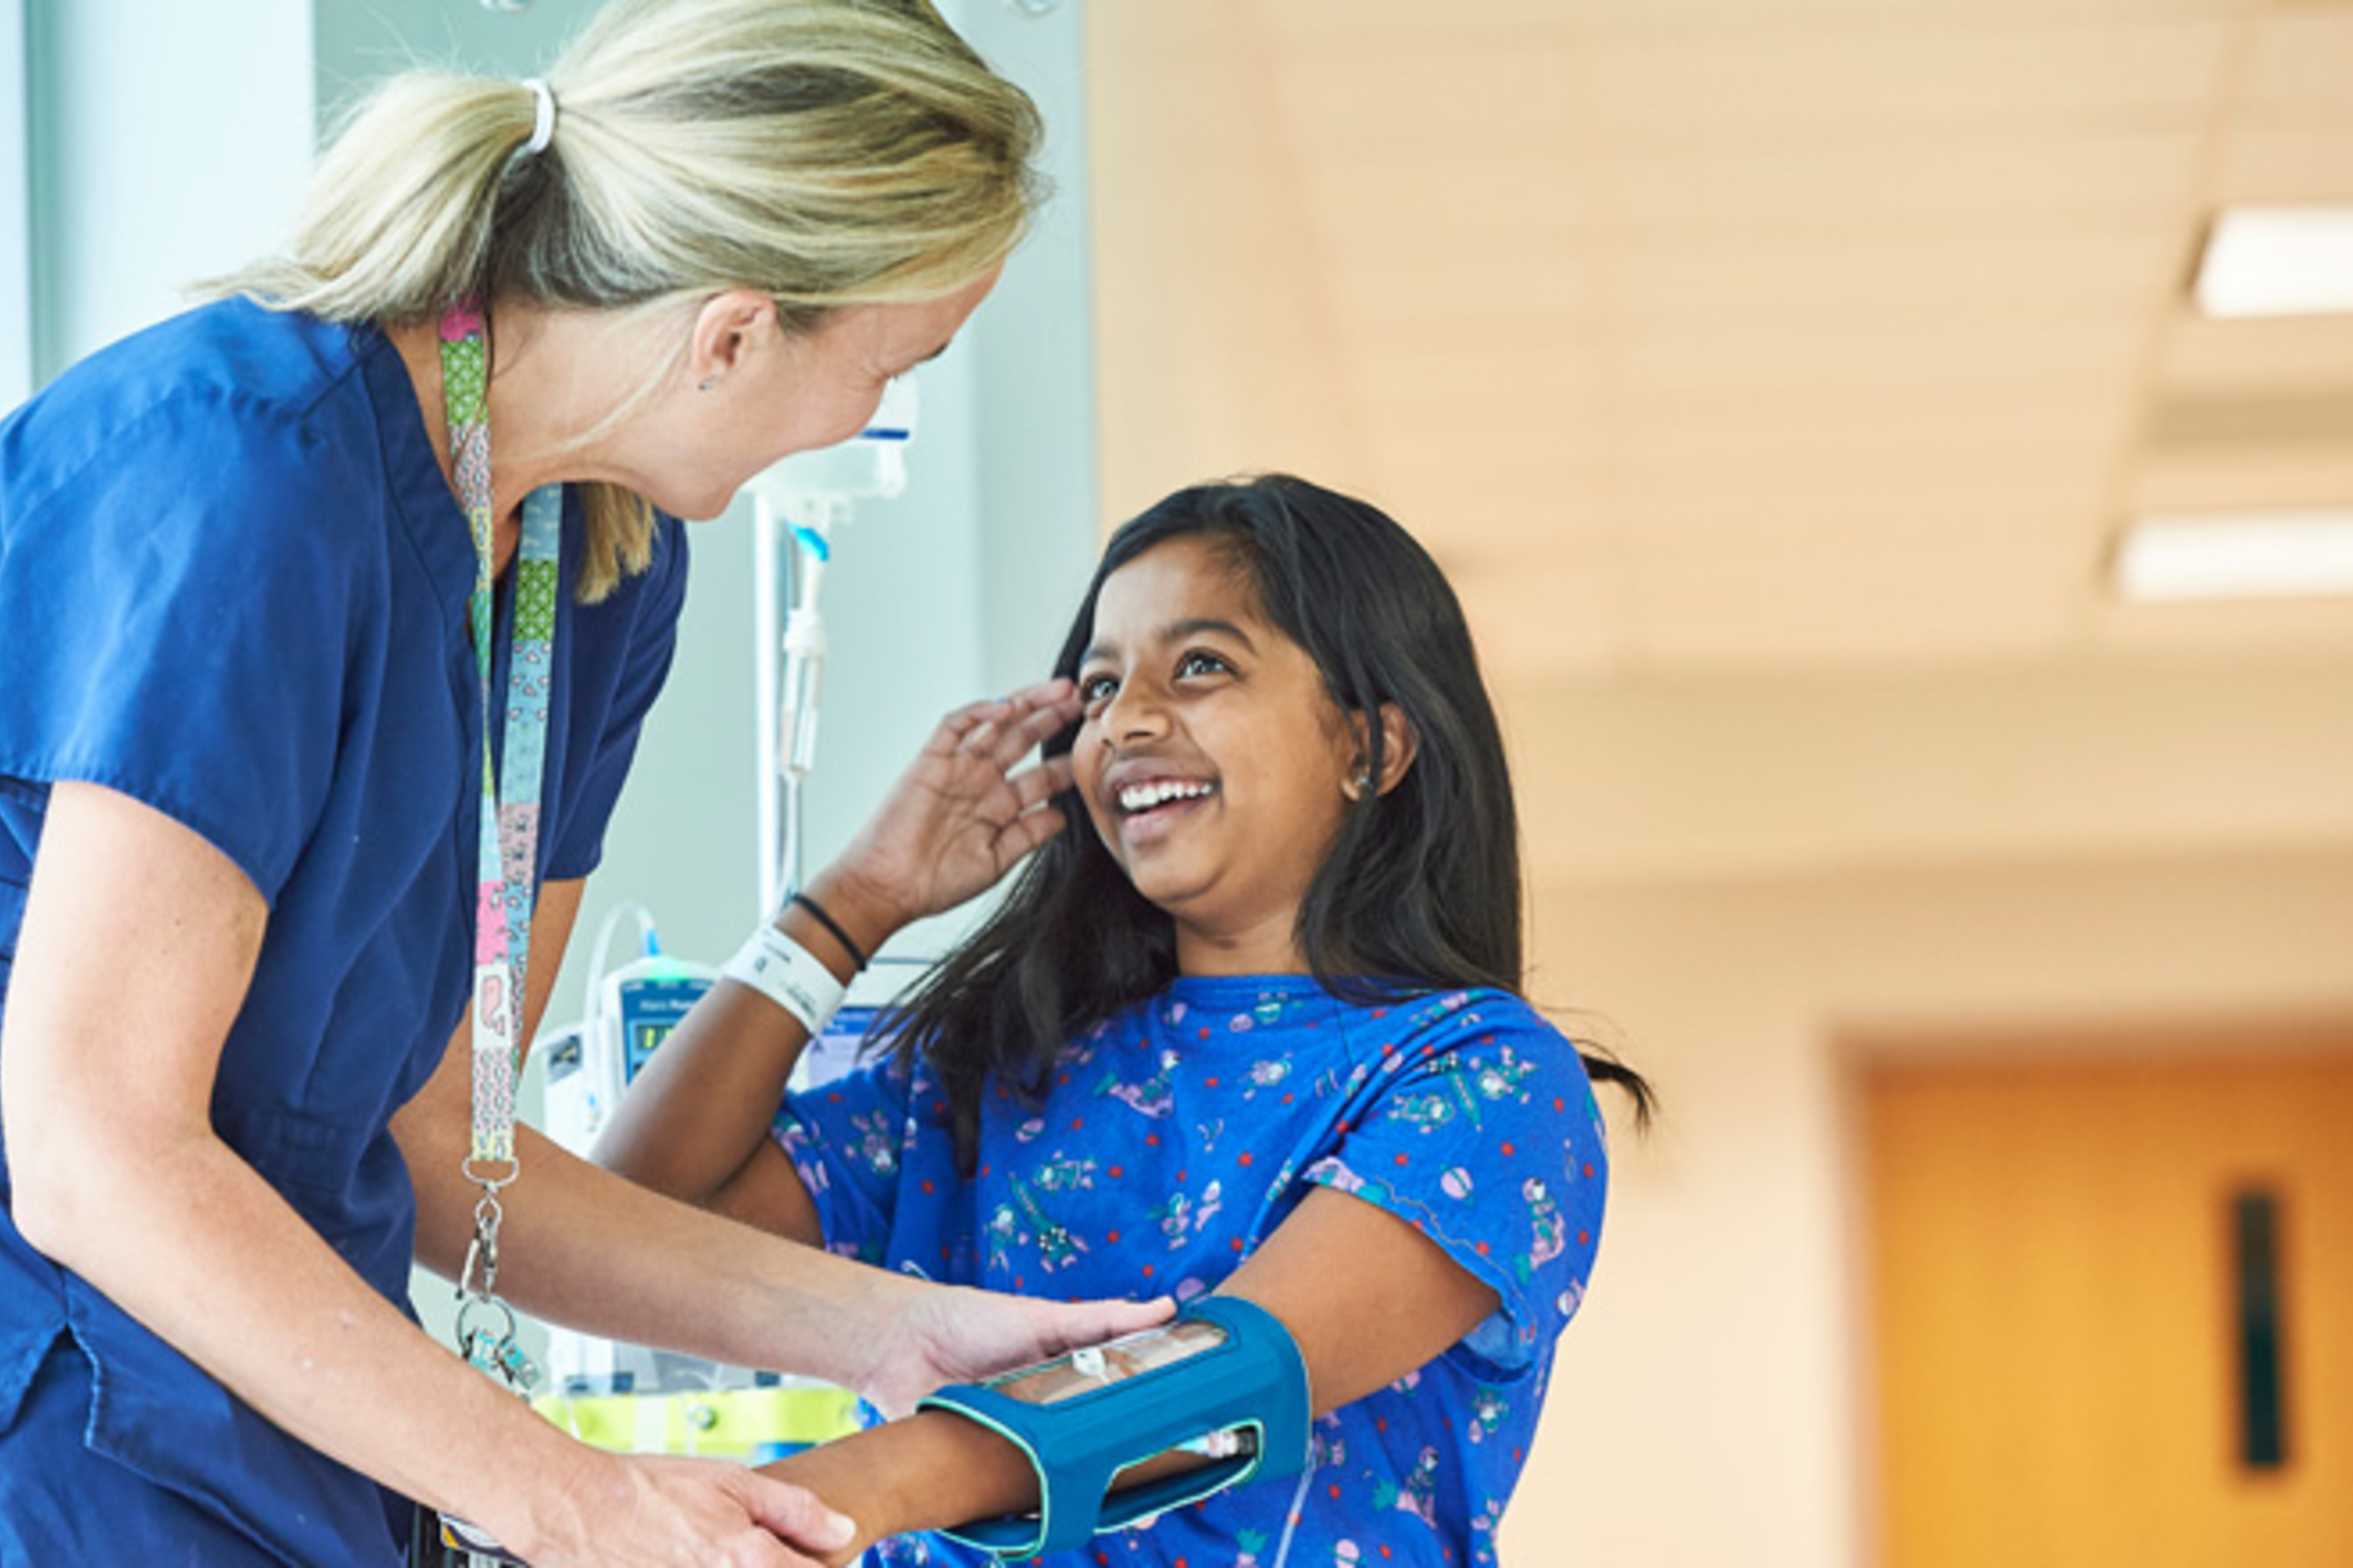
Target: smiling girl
{"x":1248,"y":1023}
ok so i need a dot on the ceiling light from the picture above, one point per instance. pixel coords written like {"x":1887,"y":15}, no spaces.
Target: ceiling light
{"x":2243,"y":556}
{"x":2277,"y":261}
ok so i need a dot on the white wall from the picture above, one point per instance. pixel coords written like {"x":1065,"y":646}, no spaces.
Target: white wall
{"x":15,"y":213}
{"x":167,"y":142}
{"x":357,"y":42}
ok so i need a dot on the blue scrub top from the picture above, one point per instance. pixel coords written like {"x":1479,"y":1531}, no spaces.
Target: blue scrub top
{"x":234,"y":586}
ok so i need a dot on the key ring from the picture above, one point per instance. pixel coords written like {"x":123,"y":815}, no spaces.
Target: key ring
{"x":469,"y":1328}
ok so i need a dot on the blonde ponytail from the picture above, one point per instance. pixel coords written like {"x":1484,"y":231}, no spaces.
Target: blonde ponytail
{"x":830,"y":152}
{"x":397,"y":223}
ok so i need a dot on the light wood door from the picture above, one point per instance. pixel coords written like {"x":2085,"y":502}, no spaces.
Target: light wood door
{"x":2058,"y":1312}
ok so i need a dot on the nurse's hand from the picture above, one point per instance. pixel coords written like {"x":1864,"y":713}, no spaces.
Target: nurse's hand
{"x":939,"y":1334}
{"x":961,"y":815}
{"x":656,"y":1511}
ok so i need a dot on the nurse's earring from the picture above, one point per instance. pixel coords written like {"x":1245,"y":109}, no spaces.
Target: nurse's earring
{"x":706,"y":383}
{"x":1358,"y":784}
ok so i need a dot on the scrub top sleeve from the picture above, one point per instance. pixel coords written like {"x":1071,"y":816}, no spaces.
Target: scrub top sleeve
{"x":181,"y":617}
{"x":1481,"y":1133}
{"x":652,"y":601}
{"x":848,"y":1139}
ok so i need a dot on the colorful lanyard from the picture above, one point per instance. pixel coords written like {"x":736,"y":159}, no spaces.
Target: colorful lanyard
{"x":509,"y":839}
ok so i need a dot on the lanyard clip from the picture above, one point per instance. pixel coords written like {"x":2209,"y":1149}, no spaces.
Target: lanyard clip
{"x":482,"y":1262}
{"x":482,"y":1251}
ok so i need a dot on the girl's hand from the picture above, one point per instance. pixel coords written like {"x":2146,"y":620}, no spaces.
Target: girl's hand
{"x":960,"y":816}
{"x":656,"y":1511}
{"x":943,"y":1334}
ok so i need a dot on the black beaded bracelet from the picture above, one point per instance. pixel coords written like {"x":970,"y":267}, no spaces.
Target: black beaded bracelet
{"x":816,"y":912}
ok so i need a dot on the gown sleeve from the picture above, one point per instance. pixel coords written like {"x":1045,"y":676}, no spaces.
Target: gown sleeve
{"x":847,"y":1139}
{"x":179,"y":615}
{"x":1481,"y":1131}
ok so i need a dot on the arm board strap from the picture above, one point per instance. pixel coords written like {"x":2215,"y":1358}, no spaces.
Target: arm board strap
{"x":1253,"y":1382}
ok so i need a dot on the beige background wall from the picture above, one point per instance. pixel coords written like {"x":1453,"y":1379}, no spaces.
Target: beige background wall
{"x":1711,"y":1402}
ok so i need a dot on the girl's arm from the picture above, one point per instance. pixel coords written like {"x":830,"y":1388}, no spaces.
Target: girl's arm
{"x":694,"y":1124}
{"x":1335,"y":1254}
{"x":1316,"y":1273}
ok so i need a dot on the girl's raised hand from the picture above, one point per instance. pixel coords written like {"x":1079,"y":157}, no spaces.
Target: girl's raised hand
{"x":961,"y":815}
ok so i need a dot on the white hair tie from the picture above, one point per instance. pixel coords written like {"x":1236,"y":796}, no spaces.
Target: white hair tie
{"x":542,"y":116}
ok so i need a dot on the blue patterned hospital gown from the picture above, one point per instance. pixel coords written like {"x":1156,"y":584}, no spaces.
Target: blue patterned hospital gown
{"x":1173,"y":1139}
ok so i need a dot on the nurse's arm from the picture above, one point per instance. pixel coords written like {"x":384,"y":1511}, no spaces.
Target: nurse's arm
{"x":138,"y":945}
{"x":584,"y":1247}
{"x":1314,"y":1274}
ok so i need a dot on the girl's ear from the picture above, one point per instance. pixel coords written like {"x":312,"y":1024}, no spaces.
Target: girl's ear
{"x":1398,"y":745}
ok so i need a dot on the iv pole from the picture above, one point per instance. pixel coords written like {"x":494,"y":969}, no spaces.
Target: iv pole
{"x":796,"y":506}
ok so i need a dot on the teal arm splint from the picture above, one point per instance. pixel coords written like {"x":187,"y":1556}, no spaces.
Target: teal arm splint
{"x":1222,"y":1366}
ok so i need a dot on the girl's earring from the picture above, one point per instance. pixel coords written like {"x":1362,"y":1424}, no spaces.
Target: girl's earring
{"x":1359,"y":785}
{"x":707,"y":384}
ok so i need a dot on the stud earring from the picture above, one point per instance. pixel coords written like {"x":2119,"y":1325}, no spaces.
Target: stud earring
{"x":708,"y":382}
{"x":1359,"y":785}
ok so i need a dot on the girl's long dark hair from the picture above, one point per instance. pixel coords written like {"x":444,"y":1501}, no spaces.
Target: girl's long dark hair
{"x":1421,"y":889}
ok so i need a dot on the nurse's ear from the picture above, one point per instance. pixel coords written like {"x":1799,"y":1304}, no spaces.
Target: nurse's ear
{"x":729,"y":328}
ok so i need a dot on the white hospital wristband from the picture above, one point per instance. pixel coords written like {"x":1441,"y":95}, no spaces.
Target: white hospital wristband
{"x":788,"y":975}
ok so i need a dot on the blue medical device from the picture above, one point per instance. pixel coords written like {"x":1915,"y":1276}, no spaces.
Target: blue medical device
{"x":1224,"y":1378}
